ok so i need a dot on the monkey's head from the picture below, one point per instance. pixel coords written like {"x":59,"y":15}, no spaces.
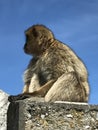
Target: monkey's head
{"x":38,"y":39}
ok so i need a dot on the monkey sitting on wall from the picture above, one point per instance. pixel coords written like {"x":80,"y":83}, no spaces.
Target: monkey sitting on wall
{"x":54,"y":72}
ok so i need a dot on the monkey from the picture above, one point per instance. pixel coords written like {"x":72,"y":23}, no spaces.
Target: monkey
{"x":55,"y":72}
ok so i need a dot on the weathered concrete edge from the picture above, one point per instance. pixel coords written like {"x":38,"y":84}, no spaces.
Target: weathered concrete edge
{"x":15,"y":116}
{"x":12,"y":119}
{"x":66,"y":105}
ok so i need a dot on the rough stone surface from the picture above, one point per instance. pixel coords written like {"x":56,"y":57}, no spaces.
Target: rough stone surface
{"x":3,"y":109}
{"x":38,"y":115}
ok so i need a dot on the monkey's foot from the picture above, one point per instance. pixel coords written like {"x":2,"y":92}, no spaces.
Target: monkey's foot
{"x":18,"y":97}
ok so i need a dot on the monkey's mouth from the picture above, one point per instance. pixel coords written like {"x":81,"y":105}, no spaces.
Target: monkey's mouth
{"x":25,"y":49}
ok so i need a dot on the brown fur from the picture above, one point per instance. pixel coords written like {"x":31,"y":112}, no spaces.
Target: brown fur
{"x":54,"y":72}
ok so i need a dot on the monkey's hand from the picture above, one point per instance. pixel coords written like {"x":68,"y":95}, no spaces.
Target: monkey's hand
{"x":23,"y":96}
{"x":18,"y":97}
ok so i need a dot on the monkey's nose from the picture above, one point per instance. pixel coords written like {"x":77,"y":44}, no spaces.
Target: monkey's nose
{"x":25,"y":45}
{"x":25,"y":48}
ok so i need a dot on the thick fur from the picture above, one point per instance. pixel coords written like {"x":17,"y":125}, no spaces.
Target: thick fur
{"x":55,"y":71}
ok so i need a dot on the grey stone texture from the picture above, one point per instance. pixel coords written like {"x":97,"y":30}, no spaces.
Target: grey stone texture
{"x":35,"y":114}
{"x":3,"y":110}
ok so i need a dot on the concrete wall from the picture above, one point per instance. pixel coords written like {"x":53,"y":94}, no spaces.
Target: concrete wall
{"x":35,"y":114}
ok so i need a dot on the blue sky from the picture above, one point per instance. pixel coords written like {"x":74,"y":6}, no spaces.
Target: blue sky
{"x":74,"y":22}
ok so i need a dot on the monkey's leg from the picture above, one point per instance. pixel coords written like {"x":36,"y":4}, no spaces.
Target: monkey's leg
{"x":66,"y":88}
{"x":41,"y":92}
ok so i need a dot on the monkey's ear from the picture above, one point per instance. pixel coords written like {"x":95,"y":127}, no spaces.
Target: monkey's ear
{"x":35,"y":32}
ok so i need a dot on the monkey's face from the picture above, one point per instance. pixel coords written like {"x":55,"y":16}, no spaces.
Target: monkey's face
{"x":37,"y":39}
{"x":31,"y":46}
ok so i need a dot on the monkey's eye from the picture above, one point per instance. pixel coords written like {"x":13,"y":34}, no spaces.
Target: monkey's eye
{"x":35,"y":33}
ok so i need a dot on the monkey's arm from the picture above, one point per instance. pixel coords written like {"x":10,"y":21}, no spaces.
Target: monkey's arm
{"x":40,"y":92}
